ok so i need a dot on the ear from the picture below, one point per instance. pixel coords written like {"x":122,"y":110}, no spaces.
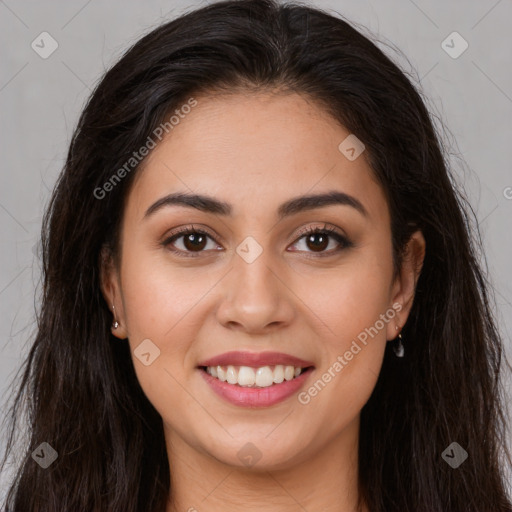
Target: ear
{"x":111,"y":290}
{"x":404,"y":285}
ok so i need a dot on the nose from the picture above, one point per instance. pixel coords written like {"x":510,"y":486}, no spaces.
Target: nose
{"x":255,"y":296}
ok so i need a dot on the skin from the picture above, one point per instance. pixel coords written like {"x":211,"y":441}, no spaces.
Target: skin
{"x":256,"y":151}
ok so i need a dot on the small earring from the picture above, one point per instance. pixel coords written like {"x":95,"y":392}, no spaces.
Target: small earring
{"x":398,"y":349}
{"x":115,"y":324}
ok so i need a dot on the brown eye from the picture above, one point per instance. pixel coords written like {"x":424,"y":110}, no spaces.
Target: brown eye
{"x":317,"y":240}
{"x":189,"y":241}
{"x":194,"y":241}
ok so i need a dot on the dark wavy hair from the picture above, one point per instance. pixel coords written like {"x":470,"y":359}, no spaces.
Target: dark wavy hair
{"x":78,"y":384}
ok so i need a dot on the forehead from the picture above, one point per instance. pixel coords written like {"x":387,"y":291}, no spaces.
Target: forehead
{"x":255,"y":151}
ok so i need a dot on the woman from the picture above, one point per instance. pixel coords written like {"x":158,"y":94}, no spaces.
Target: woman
{"x":260,"y":287}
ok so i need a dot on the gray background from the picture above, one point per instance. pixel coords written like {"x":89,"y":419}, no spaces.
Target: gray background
{"x":41,"y":99}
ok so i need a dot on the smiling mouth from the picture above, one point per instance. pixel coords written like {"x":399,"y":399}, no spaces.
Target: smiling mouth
{"x":255,"y":377}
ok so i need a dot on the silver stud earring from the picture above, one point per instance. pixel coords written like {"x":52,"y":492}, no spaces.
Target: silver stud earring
{"x":398,"y":349}
{"x":115,"y":323}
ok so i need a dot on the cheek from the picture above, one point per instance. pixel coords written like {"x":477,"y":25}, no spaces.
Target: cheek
{"x":165,"y":304}
{"x":159,"y":306}
{"x":353,"y":306}
{"x":158,"y":296}
{"x":349,"y":299}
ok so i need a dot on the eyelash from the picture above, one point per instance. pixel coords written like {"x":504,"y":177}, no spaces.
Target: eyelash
{"x":344,"y":242}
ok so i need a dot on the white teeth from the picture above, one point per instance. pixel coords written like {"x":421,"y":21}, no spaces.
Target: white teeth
{"x":247,"y":376}
{"x":264,"y":377}
{"x":221,"y":374}
{"x":288,"y":372}
{"x":231,"y":375}
{"x":278,"y":374}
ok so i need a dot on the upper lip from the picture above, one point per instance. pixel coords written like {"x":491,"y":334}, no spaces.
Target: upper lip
{"x":255,"y":359}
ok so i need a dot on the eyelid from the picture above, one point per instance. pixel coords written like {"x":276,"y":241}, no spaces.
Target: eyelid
{"x":183,"y":230}
{"x":326,"y":227}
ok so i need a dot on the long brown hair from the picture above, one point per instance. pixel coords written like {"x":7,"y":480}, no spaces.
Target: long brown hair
{"x":78,"y":382}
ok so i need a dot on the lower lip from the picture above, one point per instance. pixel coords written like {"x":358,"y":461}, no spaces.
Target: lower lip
{"x":256,"y":397}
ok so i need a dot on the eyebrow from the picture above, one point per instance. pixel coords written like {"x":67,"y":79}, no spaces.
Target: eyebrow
{"x":293,"y":206}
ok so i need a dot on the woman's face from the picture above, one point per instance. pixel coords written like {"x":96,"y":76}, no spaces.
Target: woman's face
{"x":257,"y":282}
